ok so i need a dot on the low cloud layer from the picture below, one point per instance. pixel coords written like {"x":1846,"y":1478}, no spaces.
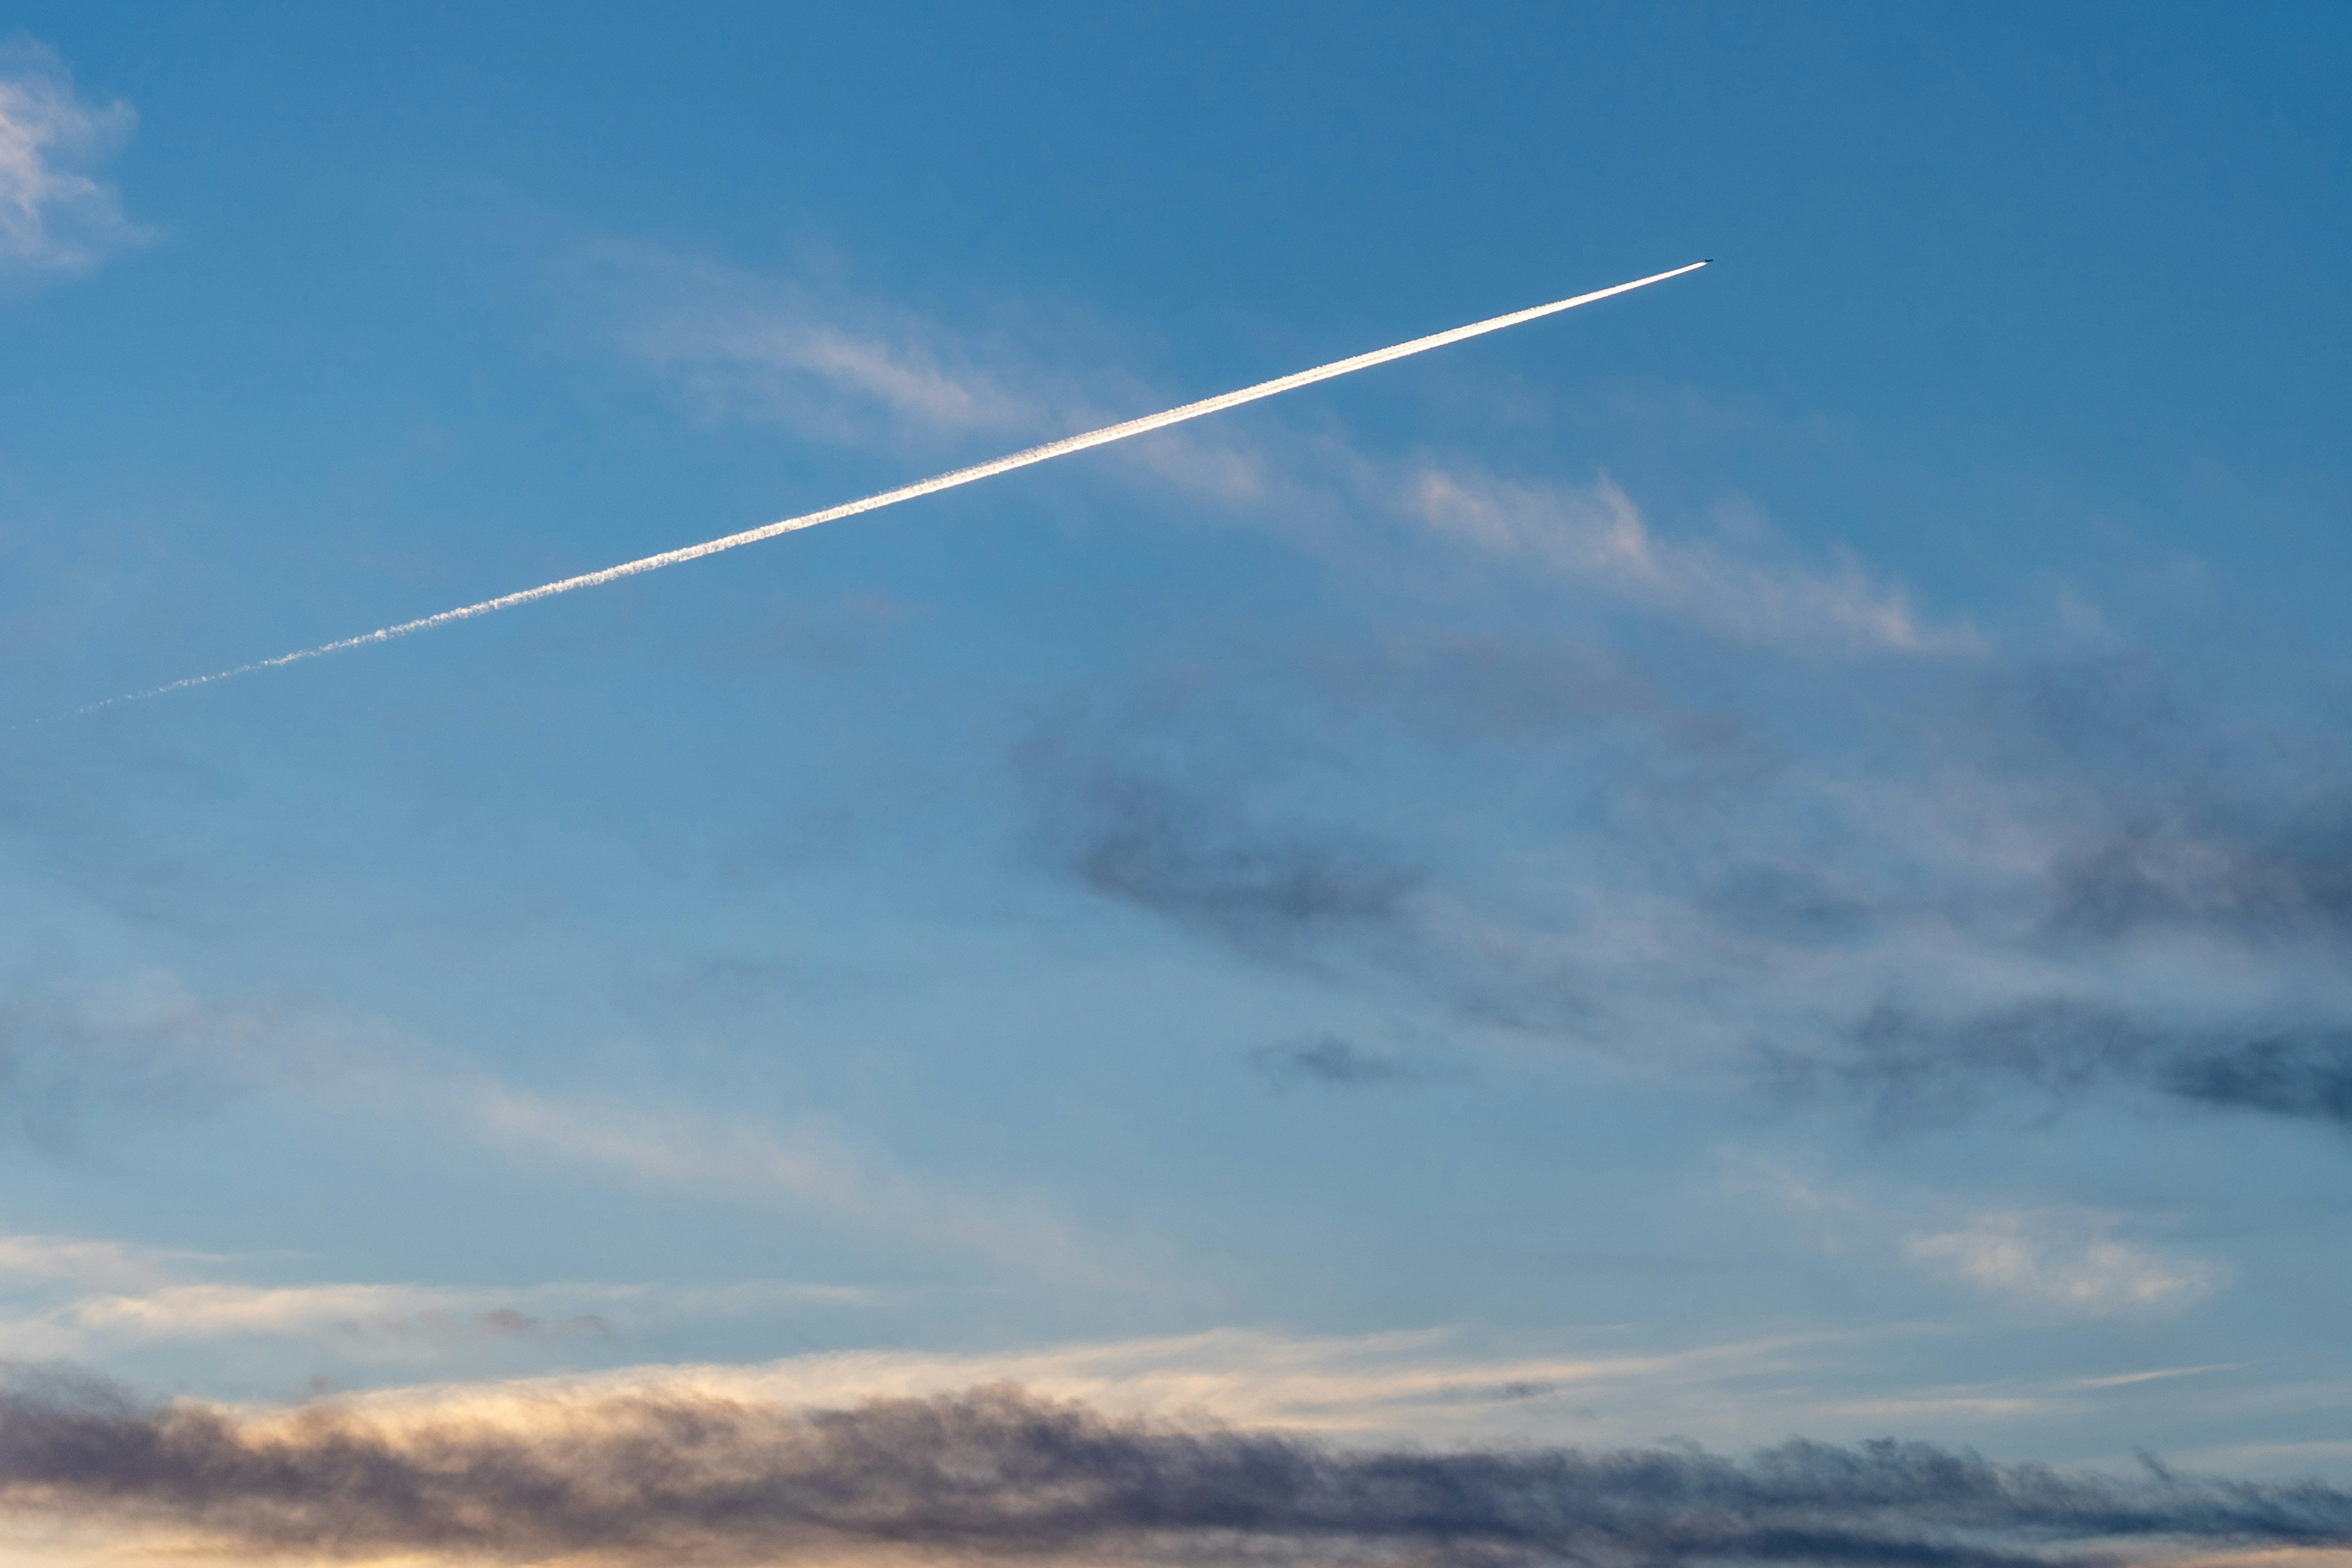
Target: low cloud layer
{"x":994,"y":1473}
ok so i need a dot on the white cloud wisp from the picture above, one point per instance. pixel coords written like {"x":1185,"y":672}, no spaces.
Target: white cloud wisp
{"x":1021,"y":459}
{"x":56,"y":215}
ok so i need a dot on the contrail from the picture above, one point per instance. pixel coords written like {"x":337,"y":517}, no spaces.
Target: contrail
{"x":1061,"y":448}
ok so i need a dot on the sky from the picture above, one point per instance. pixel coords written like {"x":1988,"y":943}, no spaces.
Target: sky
{"x":1716,"y":927}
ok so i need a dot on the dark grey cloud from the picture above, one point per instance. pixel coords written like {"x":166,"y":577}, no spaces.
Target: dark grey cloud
{"x":2175,"y":803}
{"x":1334,"y":1061}
{"x":2292,"y":884}
{"x":1669,"y":852}
{"x":1192,"y":858}
{"x":1323,"y":901}
{"x":1908,"y":1065}
{"x":2308,"y":1077}
{"x":994,"y":1473}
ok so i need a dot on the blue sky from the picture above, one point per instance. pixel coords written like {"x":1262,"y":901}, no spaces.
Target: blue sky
{"x":1766,"y":859}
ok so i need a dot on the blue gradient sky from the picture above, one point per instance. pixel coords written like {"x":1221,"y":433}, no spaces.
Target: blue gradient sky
{"x":1784,"y":838}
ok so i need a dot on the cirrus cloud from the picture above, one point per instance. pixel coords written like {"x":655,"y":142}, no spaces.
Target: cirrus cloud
{"x":57,"y":216}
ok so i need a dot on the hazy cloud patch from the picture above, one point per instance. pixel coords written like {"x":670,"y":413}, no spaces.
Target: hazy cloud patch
{"x":57,"y":216}
{"x":1908,"y":1066}
{"x":1193,"y":859}
{"x":1333,"y":1062}
{"x":2296,"y":884}
{"x":1327,"y":902}
{"x":73,"y":1049}
{"x":809,"y":350}
{"x":2074,"y":1260}
{"x":1594,"y":533}
{"x":803,"y":1169}
{"x":2063,"y":1257}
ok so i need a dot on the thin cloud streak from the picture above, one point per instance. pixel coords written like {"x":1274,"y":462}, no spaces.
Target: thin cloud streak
{"x":771,"y":351}
{"x":66,"y":1298}
{"x":70,"y":1052}
{"x":392,"y":1322}
{"x":1597,"y":534}
{"x":933,"y":485}
{"x":803,"y":1169}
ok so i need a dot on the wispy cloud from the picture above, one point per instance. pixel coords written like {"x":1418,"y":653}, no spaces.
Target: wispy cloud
{"x":394,"y":1321}
{"x":1862,"y":887}
{"x":1194,"y":859}
{"x":1908,"y":1064}
{"x":816,"y":357}
{"x":2061,"y":837}
{"x":1925,"y":893}
{"x":104,"y":1265}
{"x":2063,"y":1257}
{"x":833,"y":363}
{"x":71,"y":1048}
{"x":2075,"y":1260}
{"x":805,"y":1169}
{"x":57,"y":216}
{"x":1316,"y":901}
{"x":64,"y":1297}
{"x":1594,"y":534}
{"x":1333,"y":1061}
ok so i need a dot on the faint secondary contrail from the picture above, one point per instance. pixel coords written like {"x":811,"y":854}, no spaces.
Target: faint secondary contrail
{"x":948,"y":482}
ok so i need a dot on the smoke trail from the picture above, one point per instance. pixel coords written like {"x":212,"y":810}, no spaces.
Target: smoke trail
{"x":933,"y":486}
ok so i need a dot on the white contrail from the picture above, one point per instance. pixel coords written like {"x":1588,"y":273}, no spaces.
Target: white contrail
{"x":1062,"y":447}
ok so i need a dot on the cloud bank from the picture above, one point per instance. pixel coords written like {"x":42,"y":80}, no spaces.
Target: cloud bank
{"x":995,"y":1473}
